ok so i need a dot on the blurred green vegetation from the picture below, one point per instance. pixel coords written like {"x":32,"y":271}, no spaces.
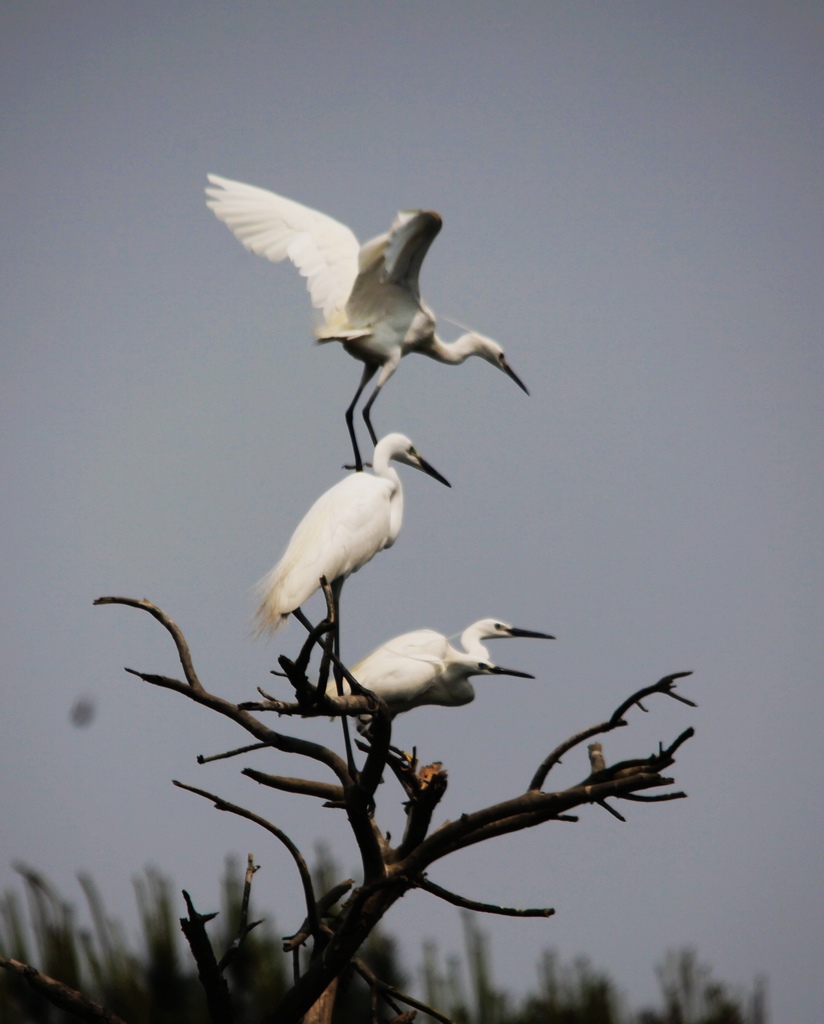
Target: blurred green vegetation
{"x":157,"y":982}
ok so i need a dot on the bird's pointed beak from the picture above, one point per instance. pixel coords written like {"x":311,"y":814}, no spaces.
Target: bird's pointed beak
{"x":514,"y":631}
{"x":511,"y":373}
{"x":431,"y":471}
{"x":499,"y":670}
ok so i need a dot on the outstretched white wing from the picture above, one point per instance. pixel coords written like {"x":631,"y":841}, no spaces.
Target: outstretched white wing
{"x":324,"y":250}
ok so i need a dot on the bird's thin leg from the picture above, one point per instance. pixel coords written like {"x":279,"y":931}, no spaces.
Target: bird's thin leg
{"x":367,"y":375}
{"x":337,"y":586}
{"x":367,"y":410}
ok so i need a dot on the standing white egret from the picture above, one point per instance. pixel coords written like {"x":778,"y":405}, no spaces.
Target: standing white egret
{"x":369,"y":294}
{"x":346,"y":527}
{"x":423,"y":667}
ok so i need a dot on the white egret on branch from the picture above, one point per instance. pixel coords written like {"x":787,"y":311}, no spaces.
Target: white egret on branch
{"x":423,"y":667}
{"x":368,"y":294}
{"x":346,"y":527}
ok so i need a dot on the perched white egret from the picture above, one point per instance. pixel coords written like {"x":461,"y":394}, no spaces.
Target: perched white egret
{"x":368,"y":294}
{"x":346,"y":527}
{"x":423,"y":667}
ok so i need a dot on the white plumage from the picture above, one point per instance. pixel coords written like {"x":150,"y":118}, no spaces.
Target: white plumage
{"x":345,"y":528}
{"x":369,"y":294}
{"x":422,"y":667}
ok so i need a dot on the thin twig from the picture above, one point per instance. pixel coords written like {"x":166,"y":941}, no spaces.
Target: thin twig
{"x":243,"y":927}
{"x":385,"y":990}
{"x":297,"y":856}
{"x":287,"y":744}
{"x":665,"y":686}
{"x":180,"y":641}
{"x":305,"y":787}
{"x":612,"y":811}
{"x":322,"y":908}
{"x":203,"y":759}
{"x":485,"y":908}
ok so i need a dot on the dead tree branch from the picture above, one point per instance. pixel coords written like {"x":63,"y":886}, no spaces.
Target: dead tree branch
{"x":297,"y":856}
{"x":391,"y":871}
{"x":172,"y":628}
{"x":390,"y":993}
{"x":61,"y":995}
{"x":243,"y":927}
{"x":665,"y":686}
{"x":305,"y":787}
{"x":213,"y":982}
{"x":483,"y":908}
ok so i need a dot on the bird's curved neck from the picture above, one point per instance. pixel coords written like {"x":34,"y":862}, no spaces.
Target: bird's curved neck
{"x":471,"y":643}
{"x":451,"y":351}
{"x":382,"y":468}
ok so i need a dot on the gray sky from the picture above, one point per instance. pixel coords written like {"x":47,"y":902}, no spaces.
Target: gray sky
{"x":632,"y":204}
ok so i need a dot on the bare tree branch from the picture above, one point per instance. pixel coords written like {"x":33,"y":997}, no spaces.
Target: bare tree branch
{"x":322,"y":908}
{"x":485,"y":908}
{"x":665,"y":686}
{"x":287,"y":744}
{"x":203,"y":759}
{"x":172,"y":627}
{"x":389,"y":873}
{"x":213,"y":982}
{"x":243,"y":927}
{"x":297,"y":856}
{"x":306,"y":787}
{"x":389,"y":992}
{"x":60,"y":994}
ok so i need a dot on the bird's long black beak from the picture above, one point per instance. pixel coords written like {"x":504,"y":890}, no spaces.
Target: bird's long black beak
{"x":498,"y":670}
{"x":511,"y":373}
{"x":514,"y":631}
{"x":431,"y":471}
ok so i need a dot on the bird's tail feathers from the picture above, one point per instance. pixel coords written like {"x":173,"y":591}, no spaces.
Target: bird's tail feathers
{"x":270,"y":616}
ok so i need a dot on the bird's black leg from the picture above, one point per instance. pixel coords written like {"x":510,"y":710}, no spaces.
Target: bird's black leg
{"x":337,"y":586}
{"x":367,"y":409}
{"x":366,"y":376}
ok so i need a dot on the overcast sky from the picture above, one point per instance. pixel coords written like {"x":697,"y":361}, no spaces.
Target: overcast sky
{"x":632,"y":205}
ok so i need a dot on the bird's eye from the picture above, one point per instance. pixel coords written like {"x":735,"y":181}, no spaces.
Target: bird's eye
{"x":499,"y":626}
{"x":501,"y":357}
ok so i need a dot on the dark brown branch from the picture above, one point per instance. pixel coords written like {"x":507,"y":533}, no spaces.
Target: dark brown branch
{"x":322,"y":908}
{"x":243,"y":927}
{"x":203,"y":759}
{"x":60,"y":994}
{"x":287,"y":744}
{"x":180,"y":641}
{"x":213,"y":982}
{"x":665,"y":686}
{"x":196,"y":692}
{"x":330,"y":705}
{"x":306,"y":787}
{"x":426,"y":789}
{"x":612,"y":811}
{"x":297,"y":856}
{"x":656,"y":798}
{"x":554,"y":758}
{"x":389,"y":992}
{"x":485,"y":908}
{"x":524,"y":811}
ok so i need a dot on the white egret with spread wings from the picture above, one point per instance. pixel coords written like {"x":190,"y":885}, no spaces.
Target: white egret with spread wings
{"x":369,"y":294}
